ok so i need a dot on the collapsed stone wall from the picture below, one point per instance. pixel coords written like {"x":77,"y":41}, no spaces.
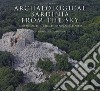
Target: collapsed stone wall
{"x":27,"y":52}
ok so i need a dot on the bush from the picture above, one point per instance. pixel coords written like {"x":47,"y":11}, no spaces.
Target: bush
{"x":45,"y":64}
{"x":29,"y":87}
{"x":6,"y":59}
{"x":76,"y":55}
{"x":10,"y":88}
{"x":9,"y":78}
{"x":62,"y":44}
{"x":62,"y":62}
{"x":44,"y":87}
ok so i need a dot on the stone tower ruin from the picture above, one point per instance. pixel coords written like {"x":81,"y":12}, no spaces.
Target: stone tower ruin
{"x":18,"y":40}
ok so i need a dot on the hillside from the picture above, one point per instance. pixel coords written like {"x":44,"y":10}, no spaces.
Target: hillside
{"x":43,"y":45}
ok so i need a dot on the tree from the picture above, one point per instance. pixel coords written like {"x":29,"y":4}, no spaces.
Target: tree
{"x":54,"y":79}
{"x":62,"y":44}
{"x":45,"y":64}
{"x":44,"y":87}
{"x":62,"y":62}
{"x":9,"y":78}
{"x":76,"y":55}
{"x":6,"y":59}
{"x":10,"y":88}
{"x":29,"y":87}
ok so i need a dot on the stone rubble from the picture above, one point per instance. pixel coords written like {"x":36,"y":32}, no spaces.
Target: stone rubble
{"x":27,"y":52}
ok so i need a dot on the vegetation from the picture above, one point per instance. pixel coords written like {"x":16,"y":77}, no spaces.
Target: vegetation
{"x":45,"y":64}
{"x":29,"y":87}
{"x":9,"y":78}
{"x":69,"y":38}
{"x":75,"y":55}
{"x":61,"y":65}
{"x":76,"y":41}
{"x":46,"y":86}
{"x":6,"y":59}
{"x":62,"y":62}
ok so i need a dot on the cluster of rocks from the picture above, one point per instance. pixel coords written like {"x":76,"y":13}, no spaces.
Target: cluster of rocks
{"x":27,"y":52}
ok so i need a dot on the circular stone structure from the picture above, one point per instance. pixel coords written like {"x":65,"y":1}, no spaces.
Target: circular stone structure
{"x":27,"y":52}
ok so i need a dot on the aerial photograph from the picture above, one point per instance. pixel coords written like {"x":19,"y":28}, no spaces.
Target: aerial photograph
{"x":49,"y":45}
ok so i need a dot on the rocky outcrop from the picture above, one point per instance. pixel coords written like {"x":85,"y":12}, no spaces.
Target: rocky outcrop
{"x":27,"y":52}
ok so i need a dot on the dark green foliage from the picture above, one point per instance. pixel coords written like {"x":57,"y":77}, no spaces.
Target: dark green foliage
{"x":62,"y":62}
{"x":74,"y":38}
{"x":54,"y":79}
{"x":75,"y":55}
{"x":29,"y":87}
{"x":6,"y":59}
{"x":39,"y":87}
{"x":45,"y":86}
{"x":9,"y":78}
{"x":45,"y":64}
{"x":10,"y":88}
{"x":62,"y":44}
{"x":75,"y":41}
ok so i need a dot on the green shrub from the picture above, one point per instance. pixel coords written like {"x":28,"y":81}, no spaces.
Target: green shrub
{"x":6,"y":59}
{"x":45,"y":64}
{"x":9,"y":78}
{"x":29,"y":87}
{"x":62,"y":62}
{"x":76,"y":55}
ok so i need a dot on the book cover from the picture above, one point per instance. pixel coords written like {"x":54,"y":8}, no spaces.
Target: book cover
{"x":49,"y":45}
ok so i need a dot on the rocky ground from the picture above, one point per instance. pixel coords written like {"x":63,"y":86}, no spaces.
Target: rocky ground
{"x":27,"y":52}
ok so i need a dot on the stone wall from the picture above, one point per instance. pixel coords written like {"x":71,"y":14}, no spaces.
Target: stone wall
{"x":27,"y":52}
